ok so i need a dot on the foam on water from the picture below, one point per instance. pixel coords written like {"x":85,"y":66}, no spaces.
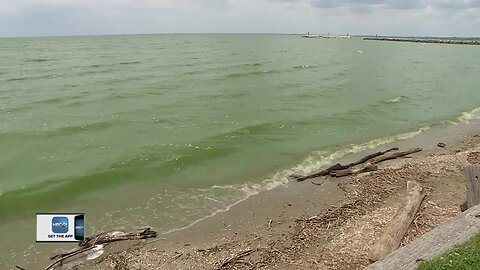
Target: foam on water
{"x":470,"y":115}
{"x":314,"y":162}
{"x":393,"y":100}
{"x":321,"y":158}
{"x":248,"y":190}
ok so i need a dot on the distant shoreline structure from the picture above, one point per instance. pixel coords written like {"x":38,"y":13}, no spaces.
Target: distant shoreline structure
{"x":427,"y":40}
{"x":326,"y":36}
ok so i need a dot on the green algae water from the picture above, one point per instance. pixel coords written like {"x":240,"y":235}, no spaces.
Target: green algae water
{"x":164,"y":130}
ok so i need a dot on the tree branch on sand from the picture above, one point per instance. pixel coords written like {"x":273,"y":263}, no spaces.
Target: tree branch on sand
{"x":339,"y":170}
{"x":103,"y":238}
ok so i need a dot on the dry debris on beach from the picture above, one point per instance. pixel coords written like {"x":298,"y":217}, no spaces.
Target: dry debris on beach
{"x":340,"y":237}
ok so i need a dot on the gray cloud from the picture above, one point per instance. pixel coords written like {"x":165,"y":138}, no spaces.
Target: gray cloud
{"x":338,"y":3}
{"x":398,"y":4}
{"x":361,"y":6}
{"x":402,"y":4}
{"x":459,"y":4}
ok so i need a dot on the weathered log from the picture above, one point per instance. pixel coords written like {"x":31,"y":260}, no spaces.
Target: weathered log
{"x":472,"y":181}
{"x":434,"y":243}
{"x":354,"y":170}
{"x":395,"y":230}
{"x":395,"y":155}
{"x":374,"y":155}
{"x":338,"y":166}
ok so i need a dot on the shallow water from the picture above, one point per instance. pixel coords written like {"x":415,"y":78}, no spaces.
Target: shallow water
{"x":162,"y":130}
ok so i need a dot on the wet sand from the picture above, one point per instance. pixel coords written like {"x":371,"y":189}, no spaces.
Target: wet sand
{"x":327,"y":226}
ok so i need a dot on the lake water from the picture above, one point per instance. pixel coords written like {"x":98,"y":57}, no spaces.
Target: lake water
{"x":163,"y":130}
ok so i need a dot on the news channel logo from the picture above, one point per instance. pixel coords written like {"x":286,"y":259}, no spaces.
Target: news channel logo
{"x":60,"y":227}
{"x":60,"y":224}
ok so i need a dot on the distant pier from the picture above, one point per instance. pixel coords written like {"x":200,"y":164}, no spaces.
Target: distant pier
{"x":427,"y":40}
{"x":326,"y":36}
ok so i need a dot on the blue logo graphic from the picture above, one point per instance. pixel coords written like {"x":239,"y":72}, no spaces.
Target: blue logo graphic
{"x":60,"y":224}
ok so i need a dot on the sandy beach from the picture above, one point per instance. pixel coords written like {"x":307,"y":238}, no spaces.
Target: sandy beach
{"x":331,"y":224}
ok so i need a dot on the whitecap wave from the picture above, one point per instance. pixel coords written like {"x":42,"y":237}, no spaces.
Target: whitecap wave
{"x":470,"y":115}
{"x":320,"y":159}
{"x":393,"y":100}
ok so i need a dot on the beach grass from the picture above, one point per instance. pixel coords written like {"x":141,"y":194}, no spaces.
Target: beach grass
{"x":465,"y":257}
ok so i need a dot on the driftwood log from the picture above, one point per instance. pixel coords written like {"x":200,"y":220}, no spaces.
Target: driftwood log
{"x":369,"y":167}
{"x":338,"y":166}
{"x":395,"y":230}
{"x":103,"y":238}
{"x":339,"y":170}
{"x":455,"y":232}
{"x":472,"y":181}
{"x":113,"y":236}
{"x":395,"y":155}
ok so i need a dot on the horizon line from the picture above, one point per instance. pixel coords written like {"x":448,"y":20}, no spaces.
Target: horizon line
{"x":229,"y":33}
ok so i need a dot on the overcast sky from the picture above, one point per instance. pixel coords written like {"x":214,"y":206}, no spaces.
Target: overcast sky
{"x":93,"y":17}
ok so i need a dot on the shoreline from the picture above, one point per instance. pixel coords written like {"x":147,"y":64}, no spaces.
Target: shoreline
{"x":268,"y":216}
{"x":348,"y":153}
{"x":342,"y":154}
{"x":273,"y":186}
{"x":270,"y":219}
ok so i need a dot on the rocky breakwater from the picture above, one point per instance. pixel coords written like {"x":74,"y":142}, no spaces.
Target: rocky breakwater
{"x":430,"y":40}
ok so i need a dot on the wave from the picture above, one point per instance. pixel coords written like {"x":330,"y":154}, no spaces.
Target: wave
{"x":253,"y":64}
{"x":312,"y":163}
{"x":466,"y":117}
{"x":248,"y":191}
{"x":31,"y":104}
{"x":129,"y":63}
{"x":49,"y":100}
{"x":251,"y":73}
{"x":18,"y":79}
{"x":93,"y":71}
{"x":67,"y":130}
{"x":76,"y":129}
{"x":106,"y":65}
{"x":37,"y":60}
{"x":27,"y":199}
{"x":66,"y":189}
{"x":319,"y":159}
{"x":302,"y":67}
{"x":393,"y":100}
{"x":47,"y":76}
